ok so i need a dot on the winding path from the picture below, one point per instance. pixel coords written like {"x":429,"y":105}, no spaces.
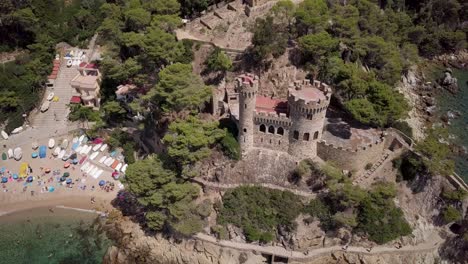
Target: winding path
{"x":432,"y":243}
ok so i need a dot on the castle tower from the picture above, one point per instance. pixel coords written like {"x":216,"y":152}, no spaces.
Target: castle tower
{"x":308,"y":103}
{"x":247,"y":86}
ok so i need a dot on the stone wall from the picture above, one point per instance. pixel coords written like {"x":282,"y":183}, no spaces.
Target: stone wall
{"x":271,"y":131}
{"x":351,"y":159}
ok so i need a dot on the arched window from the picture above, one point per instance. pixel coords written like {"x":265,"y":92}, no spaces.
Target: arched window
{"x":279,"y":142}
{"x":280,"y":131}
{"x":271,"y":129}
{"x":262,"y":128}
{"x":245,"y":130}
{"x":306,"y":136}
{"x":270,"y":140}
{"x":296,"y":134}
{"x":316,"y":135}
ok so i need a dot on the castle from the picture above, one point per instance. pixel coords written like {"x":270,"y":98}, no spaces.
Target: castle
{"x":293,"y":126}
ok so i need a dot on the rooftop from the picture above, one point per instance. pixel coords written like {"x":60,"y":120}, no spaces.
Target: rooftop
{"x":270,"y":105}
{"x":307,"y":94}
{"x":87,"y":82}
{"x":346,"y":135}
{"x":88,"y":65}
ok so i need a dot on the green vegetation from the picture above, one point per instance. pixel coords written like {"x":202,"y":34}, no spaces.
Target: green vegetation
{"x":371,"y":212}
{"x":409,"y":165}
{"x":361,"y":47}
{"x":189,"y":141}
{"x":179,"y":89}
{"x":218,"y":61}
{"x":454,"y":196}
{"x":82,"y":113}
{"x":451,"y":214}
{"x":436,"y":154}
{"x":119,"y":138}
{"x":230,"y":146}
{"x":35,"y":27}
{"x":168,"y":201}
{"x":260,"y":212}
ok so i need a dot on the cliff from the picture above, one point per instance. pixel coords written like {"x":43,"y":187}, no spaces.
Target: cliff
{"x":133,"y":246}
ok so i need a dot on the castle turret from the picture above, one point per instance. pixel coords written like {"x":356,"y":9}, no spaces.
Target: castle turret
{"x":247,"y":86}
{"x":308,"y":103}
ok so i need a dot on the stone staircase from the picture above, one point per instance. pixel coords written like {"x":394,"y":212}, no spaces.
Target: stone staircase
{"x":368,"y":173}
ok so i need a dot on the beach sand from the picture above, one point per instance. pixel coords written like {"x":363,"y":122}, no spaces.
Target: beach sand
{"x":15,"y":199}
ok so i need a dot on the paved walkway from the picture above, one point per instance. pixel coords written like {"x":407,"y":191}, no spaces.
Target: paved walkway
{"x":432,"y":243}
{"x":57,"y":115}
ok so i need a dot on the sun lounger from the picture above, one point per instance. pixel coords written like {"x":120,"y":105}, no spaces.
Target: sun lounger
{"x":102,"y":159}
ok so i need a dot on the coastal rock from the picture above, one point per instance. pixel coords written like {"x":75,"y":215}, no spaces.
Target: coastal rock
{"x":449,"y":82}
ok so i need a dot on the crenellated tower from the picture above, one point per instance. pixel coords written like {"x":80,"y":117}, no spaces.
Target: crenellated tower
{"x":308,"y":103}
{"x":247,"y":86}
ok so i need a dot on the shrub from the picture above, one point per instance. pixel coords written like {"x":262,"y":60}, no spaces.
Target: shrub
{"x":259,"y":211}
{"x":451,"y":214}
{"x":220,"y":232}
{"x":382,"y":222}
{"x":368,"y":166}
{"x":404,"y":127}
{"x":457,"y":195}
{"x":230,"y":146}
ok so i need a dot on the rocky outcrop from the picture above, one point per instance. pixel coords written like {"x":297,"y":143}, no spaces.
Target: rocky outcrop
{"x":392,"y":258}
{"x":449,"y":82}
{"x":133,"y":246}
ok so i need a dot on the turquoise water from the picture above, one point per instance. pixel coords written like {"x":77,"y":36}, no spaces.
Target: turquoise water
{"x":64,"y":237}
{"x":458,"y":126}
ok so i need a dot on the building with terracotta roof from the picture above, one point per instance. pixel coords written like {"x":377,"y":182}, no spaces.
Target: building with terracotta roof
{"x":293,"y":125}
{"x":87,"y":84}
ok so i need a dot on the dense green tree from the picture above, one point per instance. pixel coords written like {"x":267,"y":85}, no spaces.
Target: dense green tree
{"x":179,"y":89}
{"x":218,"y":61}
{"x":270,"y":38}
{"x":435,"y":153}
{"x":82,"y":113}
{"x":312,"y":16}
{"x":316,"y":46}
{"x":363,"y":111}
{"x":451,"y":214}
{"x":161,"y":48}
{"x":169,"y":202}
{"x":259,"y":211}
{"x":114,"y":111}
{"x":137,"y":19}
{"x":162,"y":7}
{"x":8,"y":100}
{"x":190,"y":140}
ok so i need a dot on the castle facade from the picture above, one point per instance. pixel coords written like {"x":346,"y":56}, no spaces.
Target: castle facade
{"x":294,"y":126}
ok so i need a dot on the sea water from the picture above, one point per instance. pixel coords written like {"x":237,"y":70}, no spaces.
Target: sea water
{"x":39,"y":236}
{"x":459,"y":126}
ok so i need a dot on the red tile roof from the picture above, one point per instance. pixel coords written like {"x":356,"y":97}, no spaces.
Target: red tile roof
{"x":271,"y":105}
{"x":75,"y":100}
{"x":88,"y":65}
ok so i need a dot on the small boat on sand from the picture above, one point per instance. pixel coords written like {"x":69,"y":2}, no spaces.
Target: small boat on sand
{"x":74,"y":140}
{"x":34,"y":145}
{"x":96,"y":147}
{"x":4,"y":135}
{"x":103,"y":147}
{"x":64,"y":144}
{"x":17,"y":153}
{"x":102,"y":159}
{"x":124,"y":168}
{"x":10,"y":153}
{"x":51,"y":143}
{"x":119,"y":166}
{"x":81,"y":138}
{"x":61,"y":154}
{"x":56,"y":151}
{"x":94,"y":155}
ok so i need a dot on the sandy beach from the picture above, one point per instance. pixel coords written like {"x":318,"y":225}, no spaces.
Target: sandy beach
{"x":19,"y":195}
